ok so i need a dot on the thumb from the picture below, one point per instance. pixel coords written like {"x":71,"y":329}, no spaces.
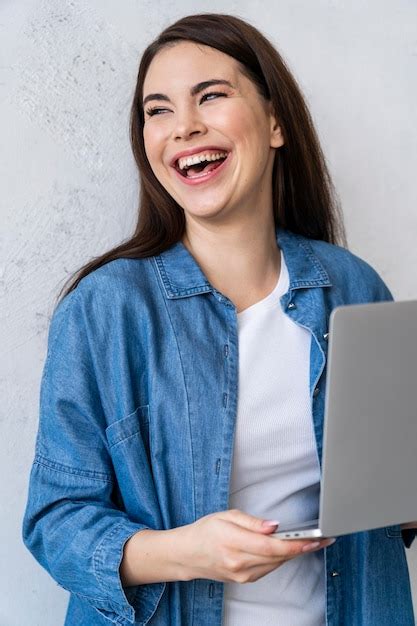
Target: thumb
{"x":251,"y":522}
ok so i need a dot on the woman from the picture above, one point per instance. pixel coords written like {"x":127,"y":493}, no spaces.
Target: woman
{"x":153,"y":476}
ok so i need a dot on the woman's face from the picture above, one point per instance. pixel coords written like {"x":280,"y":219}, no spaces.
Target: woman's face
{"x":223,"y":118}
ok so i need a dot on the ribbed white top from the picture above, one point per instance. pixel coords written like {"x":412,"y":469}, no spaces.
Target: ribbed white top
{"x":275,"y":473}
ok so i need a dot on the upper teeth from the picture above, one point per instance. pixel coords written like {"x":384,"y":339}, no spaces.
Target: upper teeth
{"x":198,"y":158}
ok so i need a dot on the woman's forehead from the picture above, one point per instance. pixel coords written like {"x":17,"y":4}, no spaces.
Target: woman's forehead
{"x":187,"y":60}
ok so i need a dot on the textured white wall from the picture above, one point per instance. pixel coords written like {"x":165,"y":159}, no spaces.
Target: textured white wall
{"x":69,"y":187}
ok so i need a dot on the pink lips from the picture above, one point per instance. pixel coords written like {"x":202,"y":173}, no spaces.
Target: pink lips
{"x":204,"y":177}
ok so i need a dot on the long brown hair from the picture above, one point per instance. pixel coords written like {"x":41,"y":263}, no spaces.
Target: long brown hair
{"x":304,"y":198}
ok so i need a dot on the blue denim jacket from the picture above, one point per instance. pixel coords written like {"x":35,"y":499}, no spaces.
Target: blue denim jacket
{"x":137,"y":413}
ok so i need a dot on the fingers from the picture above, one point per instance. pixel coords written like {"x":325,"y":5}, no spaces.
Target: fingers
{"x":292,"y":548}
{"x":248,"y":567}
{"x":265,"y":565}
{"x":259,"y":545}
{"x":323,"y":543}
{"x":250,"y":522}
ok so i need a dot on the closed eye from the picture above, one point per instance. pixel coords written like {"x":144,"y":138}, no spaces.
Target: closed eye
{"x":212,"y":93}
{"x":155,"y":110}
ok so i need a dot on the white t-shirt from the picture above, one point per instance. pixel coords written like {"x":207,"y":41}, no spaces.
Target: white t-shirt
{"x":276,"y":472}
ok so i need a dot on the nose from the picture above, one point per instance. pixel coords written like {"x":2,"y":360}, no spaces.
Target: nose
{"x":188,"y":123}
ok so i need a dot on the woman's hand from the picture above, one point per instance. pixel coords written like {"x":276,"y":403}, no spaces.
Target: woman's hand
{"x":232,"y":546}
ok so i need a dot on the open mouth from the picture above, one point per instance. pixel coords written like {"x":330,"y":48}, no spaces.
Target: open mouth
{"x":198,"y":170}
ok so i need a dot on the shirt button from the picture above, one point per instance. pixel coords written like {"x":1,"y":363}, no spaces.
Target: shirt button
{"x":316,"y":392}
{"x":334,"y":573}
{"x":292,"y":306}
{"x":326,"y":336}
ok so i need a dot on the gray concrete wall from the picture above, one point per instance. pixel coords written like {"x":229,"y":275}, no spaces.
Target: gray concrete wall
{"x":69,"y":185}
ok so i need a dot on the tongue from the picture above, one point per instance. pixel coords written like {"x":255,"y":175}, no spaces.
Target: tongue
{"x":191,"y":172}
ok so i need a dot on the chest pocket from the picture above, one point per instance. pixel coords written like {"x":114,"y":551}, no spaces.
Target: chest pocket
{"x":130,"y":448}
{"x":133,"y":424}
{"x":129,"y":444}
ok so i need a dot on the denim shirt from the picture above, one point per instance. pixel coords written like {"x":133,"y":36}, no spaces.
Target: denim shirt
{"x":138,"y":405}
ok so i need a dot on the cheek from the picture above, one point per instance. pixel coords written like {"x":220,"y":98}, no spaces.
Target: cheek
{"x":228,"y":120}
{"x":252,"y":132}
{"x":238,"y":123}
{"x":153,"y":145}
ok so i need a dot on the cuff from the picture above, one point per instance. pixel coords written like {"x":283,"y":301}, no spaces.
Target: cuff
{"x":139,"y":602}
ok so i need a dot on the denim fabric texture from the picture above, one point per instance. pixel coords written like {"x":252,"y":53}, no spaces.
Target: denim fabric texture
{"x":138,"y":403}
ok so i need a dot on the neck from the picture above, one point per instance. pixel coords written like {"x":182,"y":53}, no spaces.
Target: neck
{"x":242,"y":262}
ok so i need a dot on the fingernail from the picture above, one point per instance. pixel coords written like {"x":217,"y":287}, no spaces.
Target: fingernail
{"x":269,"y":523}
{"x":330,"y":542}
{"x":311,"y":546}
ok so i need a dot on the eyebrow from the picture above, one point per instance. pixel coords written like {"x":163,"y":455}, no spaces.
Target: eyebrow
{"x":193,"y":91}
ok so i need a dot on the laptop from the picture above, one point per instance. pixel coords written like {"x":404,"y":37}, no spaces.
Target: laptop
{"x":369,"y":463}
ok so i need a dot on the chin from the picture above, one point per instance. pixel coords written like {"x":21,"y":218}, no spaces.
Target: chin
{"x":206,"y":207}
{"x":207,"y":212}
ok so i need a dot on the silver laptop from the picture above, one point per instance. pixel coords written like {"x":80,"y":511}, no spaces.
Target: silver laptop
{"x":369,"y":464}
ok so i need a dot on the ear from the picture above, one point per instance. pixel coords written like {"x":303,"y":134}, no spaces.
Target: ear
{"x":277,"y":138}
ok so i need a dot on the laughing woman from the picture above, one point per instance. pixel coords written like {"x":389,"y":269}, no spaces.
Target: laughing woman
{"x":182,"y":395}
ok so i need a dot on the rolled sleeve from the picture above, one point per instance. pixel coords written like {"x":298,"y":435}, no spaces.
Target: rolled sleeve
{"x":72,"y":525}
{"x":140,"y":600}
{"x":73,"y":532}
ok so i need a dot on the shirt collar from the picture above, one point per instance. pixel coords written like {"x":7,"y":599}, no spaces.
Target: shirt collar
{"x":182,"y":276}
